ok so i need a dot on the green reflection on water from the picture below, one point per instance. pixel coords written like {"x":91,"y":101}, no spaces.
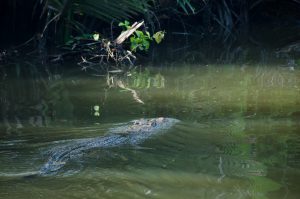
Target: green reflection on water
{"x":239,"y":136}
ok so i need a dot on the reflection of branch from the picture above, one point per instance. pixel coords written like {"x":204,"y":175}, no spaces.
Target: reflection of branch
{"x":221,"y":170}
{"x":134,"y":93}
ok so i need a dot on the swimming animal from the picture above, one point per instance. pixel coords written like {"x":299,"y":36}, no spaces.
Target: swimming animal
{"x":133,"y":133}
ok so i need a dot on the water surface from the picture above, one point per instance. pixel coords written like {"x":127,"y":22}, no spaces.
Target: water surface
{"x":238,"y":135}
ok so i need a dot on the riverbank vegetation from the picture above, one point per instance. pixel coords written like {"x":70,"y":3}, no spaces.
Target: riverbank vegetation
{"x":244,"y":31}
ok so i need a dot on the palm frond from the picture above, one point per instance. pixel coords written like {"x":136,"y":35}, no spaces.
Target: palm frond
{"x":102,"y":9}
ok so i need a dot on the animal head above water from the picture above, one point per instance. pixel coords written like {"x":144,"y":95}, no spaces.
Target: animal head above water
{"x":149,"y":125}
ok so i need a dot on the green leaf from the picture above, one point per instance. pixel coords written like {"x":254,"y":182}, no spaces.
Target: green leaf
{"x":132,"y":39}
{"x":159,"y":36}
{"x":146,"y":44}
{"x":133,"y":47}
{"x":139,"y":33}
{"x":148,"y":35}
{"x":125,"y":24}
{"x":96,"y":36}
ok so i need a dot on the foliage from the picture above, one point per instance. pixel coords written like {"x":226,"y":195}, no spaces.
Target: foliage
{"x":72,"y":14}
{"x":96,"y":36}
{"x":141,"y":39}
{"x":186,"y":6}
{"x":97,"y":52}
{"x":125,"y":24}
{"x":101,"y":9}
{"x":222,"y":31}
{"x":158,"y":36}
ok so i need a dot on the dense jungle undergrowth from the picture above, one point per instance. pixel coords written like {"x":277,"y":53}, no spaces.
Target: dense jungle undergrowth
{"x":103,"y":36}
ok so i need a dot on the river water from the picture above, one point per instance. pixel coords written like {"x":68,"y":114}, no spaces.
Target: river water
{"x":238,"y":135}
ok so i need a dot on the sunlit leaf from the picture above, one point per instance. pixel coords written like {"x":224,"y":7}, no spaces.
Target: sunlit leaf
{"x":159,"y":36}
{"x":148,"y":35}
{"x":139,"y":33}
{"x":96,"y":36}
{"x":125,"y":24}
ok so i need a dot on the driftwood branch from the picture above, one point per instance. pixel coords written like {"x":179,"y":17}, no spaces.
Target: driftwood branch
{"x":124,"y":35}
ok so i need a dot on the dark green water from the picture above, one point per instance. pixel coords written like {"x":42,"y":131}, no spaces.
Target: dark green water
{"x":239,"y":135}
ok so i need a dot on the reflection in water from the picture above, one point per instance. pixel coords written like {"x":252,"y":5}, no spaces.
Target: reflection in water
{"x":239,"y":135}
